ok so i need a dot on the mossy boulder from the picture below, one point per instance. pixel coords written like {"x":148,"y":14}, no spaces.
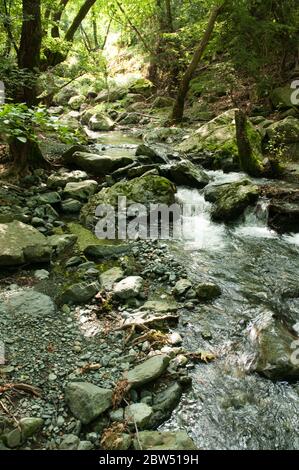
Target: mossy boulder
{"x":282,"y":97}
{"x":21,"y":243}
{"x":145,"y":190}
{"x":111,"y":96}
{"x":97,"y":120}
{"x":231,"y":199}
{"x":249,"y":142}
{"x":285,"y":134}
{"x":164,"y":134}
{"x":285,"y":131}
{"x":75,"y":102}
{"x":217,"y":136}
{"x":141,"y":86}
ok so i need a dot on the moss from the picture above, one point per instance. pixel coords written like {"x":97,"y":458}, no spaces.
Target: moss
{"x":253,"y":164}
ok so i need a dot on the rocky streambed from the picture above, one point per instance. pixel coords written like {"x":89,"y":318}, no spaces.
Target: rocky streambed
{"x":175,"y":344}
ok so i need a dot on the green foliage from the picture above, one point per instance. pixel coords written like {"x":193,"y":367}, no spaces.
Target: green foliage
{"x":17,"y":121}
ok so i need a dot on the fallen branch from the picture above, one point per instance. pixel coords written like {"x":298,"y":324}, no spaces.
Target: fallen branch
{"x":20,"y":386}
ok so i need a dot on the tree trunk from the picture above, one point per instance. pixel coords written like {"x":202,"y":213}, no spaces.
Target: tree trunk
{"x":178,"y":109}
{"x":55,"y":32}
{"x":27,"y":156}
{"x":29,"y":50}
{"x":248,"y":161}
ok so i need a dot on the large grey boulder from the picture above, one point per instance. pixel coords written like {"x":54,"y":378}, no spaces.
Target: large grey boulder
{"x":80,"y":293}
{"x":87,"y":401}
{"x":20,"y":243}
{"x":27,"y":301}
{"x":110,"y":277}
{"x":148,"y":371}
{"x":185,"y":173}
{"x":98,"y":165}
{"x":231,"y":199}
{"x":81,"y":190}
{"x":128,"y":288}
{"x":276,"y":348}
{"x":138,"y":414}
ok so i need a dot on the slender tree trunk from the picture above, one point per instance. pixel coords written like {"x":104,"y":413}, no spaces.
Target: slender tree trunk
{"x":178,"y":109}
{"x":55,"y":58}
{"x":28,"y":155}
{"x":95,"y":30}
{"x":55,"y":32}
{"x":29,"y":50}
{"x":133,"y":27}
{"x":82,"y":13}
{"x":169,"y":16}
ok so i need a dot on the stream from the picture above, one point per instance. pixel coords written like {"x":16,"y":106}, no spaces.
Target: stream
{"x":230,"y":407}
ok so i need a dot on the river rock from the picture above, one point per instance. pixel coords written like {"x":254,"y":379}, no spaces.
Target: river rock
{"x":155,"y":440}
{"x":20,"y":243}
{"x":281,"y":97}
{"x":185,"y":173}
{"x":69,"y":442}
{"x":104,"y":252}
{"x":145,"y":190}
{"x":283,"y":216}
{"x":138,"y":414}
{"x":62,"y":177}
{"x":80,"y":293}
{"x":110,"y":277}
{"x":81,"y":190}
{"x":98,"y":165}
{"x":75,"y":102}
{"x":118,"y":441}
{"x":164,"y":403}
{"x":111,"y":95}
{"x":277,"y":349}
{"x":148,"y":371}
{"x":71,"y":206}
{"x":164,"y":134}
{"x":154,"y":155}
{"x":49,"y":198}
{"x":60,"y":243}
{"x":87,"y":401}
{"x":128,"y":288}
{"x":217,"y":136}
{"x":207,"y":291}
{"x":231,"y":199}
{"x":30,"y":426}
{"x":182,"y":287}
{"x":101,"y":122}
{"x":25,"y":301}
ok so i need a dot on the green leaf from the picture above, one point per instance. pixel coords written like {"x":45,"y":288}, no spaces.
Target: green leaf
{"x":22,"y":139}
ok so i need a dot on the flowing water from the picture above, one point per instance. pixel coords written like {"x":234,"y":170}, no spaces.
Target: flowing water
{"x":230,"y":407}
